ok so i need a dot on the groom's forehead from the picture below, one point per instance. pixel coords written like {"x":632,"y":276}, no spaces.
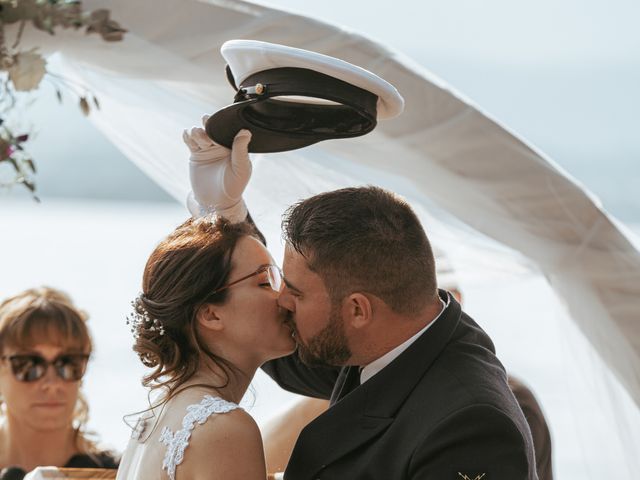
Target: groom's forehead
{"x":295,"y":260}
{"x":297,"y":268}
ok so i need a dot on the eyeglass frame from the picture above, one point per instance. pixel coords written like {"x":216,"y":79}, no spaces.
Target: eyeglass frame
{"x":261,"y":268}
{"x":47,"y":364}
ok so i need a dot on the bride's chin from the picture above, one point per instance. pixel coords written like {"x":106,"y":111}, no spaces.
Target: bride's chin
{"x":290,"y":344}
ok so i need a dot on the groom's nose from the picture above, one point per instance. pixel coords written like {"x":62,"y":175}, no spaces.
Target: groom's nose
{"x":286,"y":300}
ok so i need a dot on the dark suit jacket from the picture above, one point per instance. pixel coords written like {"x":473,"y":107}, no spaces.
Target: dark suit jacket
{"x":441,"y":410}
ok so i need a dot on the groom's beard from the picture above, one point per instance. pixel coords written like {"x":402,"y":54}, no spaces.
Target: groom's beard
{"x":329,"y":346}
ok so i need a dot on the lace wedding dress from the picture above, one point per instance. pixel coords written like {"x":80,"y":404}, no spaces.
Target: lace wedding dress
{"x":145,"y":447}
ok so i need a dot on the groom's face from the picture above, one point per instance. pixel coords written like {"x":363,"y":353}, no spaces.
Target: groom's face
{"x":317,"y":324}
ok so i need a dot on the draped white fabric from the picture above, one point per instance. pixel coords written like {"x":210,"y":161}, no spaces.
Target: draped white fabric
{"x":443,"y":153}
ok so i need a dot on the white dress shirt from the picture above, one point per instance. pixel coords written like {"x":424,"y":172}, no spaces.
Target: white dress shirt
{"x":374,"y":367}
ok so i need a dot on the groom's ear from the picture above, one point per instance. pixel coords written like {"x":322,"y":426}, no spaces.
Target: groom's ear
{"x":357,"y":310}
{"x":207,"y":317}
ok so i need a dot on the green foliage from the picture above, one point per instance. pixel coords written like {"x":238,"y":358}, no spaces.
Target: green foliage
{"x":23,"y":71}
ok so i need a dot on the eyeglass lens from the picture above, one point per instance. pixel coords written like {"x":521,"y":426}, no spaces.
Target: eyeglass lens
{"x":30,"y":368}
{"x":275,"y":277}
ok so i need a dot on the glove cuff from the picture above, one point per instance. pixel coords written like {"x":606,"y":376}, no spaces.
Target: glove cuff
{"x":235,"y":214}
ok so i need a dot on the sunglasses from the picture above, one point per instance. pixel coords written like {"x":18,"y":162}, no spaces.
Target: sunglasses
{"x":31,"y":368}
{"x":274,"y":276}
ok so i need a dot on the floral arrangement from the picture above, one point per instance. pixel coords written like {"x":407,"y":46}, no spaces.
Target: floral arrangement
{"x":23,"y":70}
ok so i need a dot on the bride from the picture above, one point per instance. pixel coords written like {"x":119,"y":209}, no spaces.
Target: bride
{"x":206,"y":319}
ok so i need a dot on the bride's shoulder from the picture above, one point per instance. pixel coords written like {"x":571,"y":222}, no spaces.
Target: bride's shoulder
{"x":223,"y":433}
{"x":227,"y":446}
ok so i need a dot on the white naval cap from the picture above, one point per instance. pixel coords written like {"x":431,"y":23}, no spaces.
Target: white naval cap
{"x":290,"y":98}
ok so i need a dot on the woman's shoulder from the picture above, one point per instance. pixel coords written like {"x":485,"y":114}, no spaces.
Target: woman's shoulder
{"x":189,"y":414}
{"x":209,"y":419}
{"x":236,"y":423}
{"x":227,"y":446}
{"x":212,"y":432}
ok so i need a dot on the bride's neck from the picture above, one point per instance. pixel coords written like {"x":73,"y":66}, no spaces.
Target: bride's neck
{"x":231,"y":385}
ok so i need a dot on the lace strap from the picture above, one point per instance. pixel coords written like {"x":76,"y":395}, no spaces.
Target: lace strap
{"x":196,"y":414}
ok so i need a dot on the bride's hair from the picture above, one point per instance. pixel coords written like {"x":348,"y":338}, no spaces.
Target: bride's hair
{"x":179,"y":277}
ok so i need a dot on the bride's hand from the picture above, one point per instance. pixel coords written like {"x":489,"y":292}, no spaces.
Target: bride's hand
{"x":218,"y":175}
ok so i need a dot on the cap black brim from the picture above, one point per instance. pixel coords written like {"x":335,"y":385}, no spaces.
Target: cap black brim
{"x":279,"y":126}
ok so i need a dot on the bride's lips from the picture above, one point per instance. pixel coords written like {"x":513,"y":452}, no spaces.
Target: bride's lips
{"x":289,"y":324}
{"x":287,"y":320}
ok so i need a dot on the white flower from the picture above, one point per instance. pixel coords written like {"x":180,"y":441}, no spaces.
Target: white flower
{"x":27,"y":70}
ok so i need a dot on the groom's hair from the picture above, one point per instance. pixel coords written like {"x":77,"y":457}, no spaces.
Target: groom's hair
{"x":184,"y":272}
{"x":365,"y":239}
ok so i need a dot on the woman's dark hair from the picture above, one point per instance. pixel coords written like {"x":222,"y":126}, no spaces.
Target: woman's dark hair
{"x":179,"y":277}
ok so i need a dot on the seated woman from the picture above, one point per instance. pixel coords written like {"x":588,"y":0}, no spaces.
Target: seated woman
{"x":206,"y":319}
{"x":44,"y":349}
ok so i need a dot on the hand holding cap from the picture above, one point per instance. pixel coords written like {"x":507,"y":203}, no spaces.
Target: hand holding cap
{"x":218,"y":175}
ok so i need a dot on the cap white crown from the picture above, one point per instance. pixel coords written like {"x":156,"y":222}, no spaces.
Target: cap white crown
{"x":247,"y":57}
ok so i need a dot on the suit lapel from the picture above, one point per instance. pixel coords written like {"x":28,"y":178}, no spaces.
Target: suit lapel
{"x":366,"y":412}
{"x":332,"y":435}
{"x":348,"y":379}
{"x":389,"y":388}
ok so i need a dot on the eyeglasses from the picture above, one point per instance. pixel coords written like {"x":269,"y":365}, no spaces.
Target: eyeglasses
{"x":31,"y":368}
{"x":274,"y":275}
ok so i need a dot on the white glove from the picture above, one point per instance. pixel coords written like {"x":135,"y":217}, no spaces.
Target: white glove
{"x":218,"y":175}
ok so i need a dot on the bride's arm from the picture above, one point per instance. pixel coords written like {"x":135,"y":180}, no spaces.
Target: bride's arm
{"x":227,"y":447}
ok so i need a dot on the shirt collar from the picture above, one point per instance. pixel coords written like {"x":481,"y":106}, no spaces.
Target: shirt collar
{"x":374,"y":367}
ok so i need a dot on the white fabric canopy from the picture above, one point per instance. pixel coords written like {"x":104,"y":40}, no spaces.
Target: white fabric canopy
{"x":443,"y":153}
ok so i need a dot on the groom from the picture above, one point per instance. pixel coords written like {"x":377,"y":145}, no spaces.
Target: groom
{"x":416,"y":390}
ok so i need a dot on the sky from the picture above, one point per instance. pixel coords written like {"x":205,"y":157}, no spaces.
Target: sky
{"x":525,"y":33}
{"x":574,"y":65}
{"x":563,"y":75}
